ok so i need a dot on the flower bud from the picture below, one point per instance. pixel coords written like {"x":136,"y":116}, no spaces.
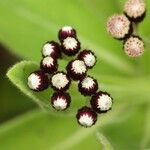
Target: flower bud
{"x":86,"y":117}
{"x":101,"y":102}
{"x":49,"y":65}
{"x":52,"y":49}
{"x":38,"y":81}
{"x":76,"y":69}
{"x":134,"y":46}
{"x":70,"y":46}
{"x":88,"y":57}
{"x":119,"y":26}
{"x":60,"y":100}
{"x":88,"y":86}
{"x":135,"y":10}
{"x":66,"y":31}
{"x":60,"y":81}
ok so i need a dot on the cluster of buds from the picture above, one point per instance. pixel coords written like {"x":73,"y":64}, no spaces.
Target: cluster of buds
{"x":49,"y":76}
{"x":122,"y":27}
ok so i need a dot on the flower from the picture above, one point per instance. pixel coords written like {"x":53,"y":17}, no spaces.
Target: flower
{"x":38,"y":81}
{"x":49,"y":65}
{"x":88,"y":86}
{"x":118,"y":26}
{"x":60,"y":81}
{"x":135,"y":9}
{"x":88,"y":57}
{"x":70,"y":46}
{"x":86,"y":117}
{"x":134,"y":46}
{"x":60,"y":100}
{"x":52,"y":49}
{"x":76,"y":69}
{"x":101,"y":102}
{"x":66,"y":31}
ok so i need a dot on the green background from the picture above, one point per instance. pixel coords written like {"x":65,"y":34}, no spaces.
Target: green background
{"x":24,"y":26}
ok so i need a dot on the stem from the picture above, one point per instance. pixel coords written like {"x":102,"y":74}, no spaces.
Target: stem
{"x":87,"y":101}
{"x":135,"y":28}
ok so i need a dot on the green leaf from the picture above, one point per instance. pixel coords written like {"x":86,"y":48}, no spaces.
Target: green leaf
{"x":41,"y":131}
{"x":104,"y":142}
{"x":127,"y":133}
{"x":19,"y":74}
{"x":37,"y":130}
{"x":145,"y":142}
{"x":12,"y":102}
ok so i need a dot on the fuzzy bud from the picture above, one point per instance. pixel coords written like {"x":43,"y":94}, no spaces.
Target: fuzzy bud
{"x":60,"y":100}
{"x":118,"y":26}
{"x":66,"y":31}
{"x":49,"y":65}
{"x":88,"y":86}
{"x":38,"y":81}
{"x":86,"y":117}
{"x":101,"y":102}
{"x":60,"y":81}
{"x":52,"y":49}
{"x":76,"y":69}
{"x":135,"y":10}
{"x":88,"y":57}
{"x":70,"y":46}
{"x":134,"y":46}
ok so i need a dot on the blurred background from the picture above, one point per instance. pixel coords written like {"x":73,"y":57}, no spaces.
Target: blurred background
{"x":24,"y":26}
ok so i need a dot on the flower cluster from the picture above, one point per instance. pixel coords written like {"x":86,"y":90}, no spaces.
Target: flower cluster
{"x":76,"y":69}
{"x":123,"y":27}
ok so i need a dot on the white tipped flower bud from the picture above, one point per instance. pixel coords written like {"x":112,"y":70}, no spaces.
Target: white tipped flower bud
{"x":60,"y":100}
{"x":66,"y":31}
{"x":88,"y":57}
{"x":88,"y":86}
{"x":52,"y":49}
{"x":86,"y":117}
{"x":60,"y":81}
{"x":38,"y":81}
{"x":101,"y":102}
{"x":70,"y":46}
{"x":49,"y":65}
{"x":76,"y":69}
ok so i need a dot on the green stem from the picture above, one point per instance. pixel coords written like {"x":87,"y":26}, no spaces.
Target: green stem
{"x":135,"y":28}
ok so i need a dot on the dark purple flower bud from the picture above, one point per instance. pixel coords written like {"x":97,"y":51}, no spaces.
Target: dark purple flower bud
{"x":66,"y":31}
{"x":101,"y":102}
{"x":88,"y":57}
{"x":86,"y":117}
{"x":38,"y":81}
{"x":52,"y":49}
{"x":49,"y":65}
{"x":76,"y":69}
{"x":70,"y":46}
{"x":88,"y":86}
{"x":60,"y":100}
{"x":60,"y":81}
